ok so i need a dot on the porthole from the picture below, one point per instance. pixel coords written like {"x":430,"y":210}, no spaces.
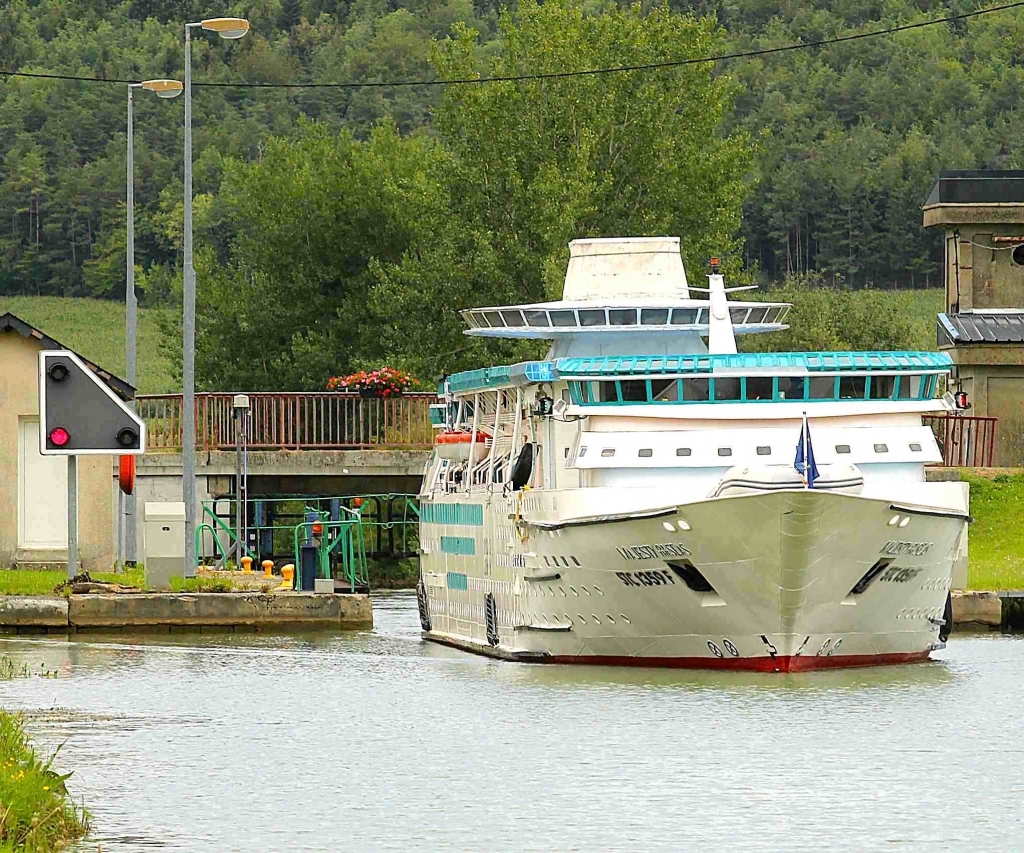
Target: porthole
{"x":763,"y":450}
{"x":683,"y":451}
{"x":842,"y":448}
{"x":645,"y":452}
{"x":608,"y":451}
{"x":1018,"y":255}
{"x":881,"y":448}
{"x":725,"y":451}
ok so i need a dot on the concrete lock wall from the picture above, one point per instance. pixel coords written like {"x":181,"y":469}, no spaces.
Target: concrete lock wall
{"x":19,"y":401}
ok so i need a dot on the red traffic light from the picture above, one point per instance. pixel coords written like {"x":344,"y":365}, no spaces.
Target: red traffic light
{"x":318,"y":529}
{"x":59,"y":436}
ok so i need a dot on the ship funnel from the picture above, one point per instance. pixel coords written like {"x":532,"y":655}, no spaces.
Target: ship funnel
{"x":624,"y":269}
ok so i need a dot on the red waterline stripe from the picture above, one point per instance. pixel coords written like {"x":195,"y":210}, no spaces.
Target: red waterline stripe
{"x":787,"y":663}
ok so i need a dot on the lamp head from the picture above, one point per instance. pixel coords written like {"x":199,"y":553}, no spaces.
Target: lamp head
{"x":164,"y":88}
{"x":227,"y":28}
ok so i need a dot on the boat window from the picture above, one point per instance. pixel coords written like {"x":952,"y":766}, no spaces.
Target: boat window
{"x":764,"y":450}
{"x":727,"y":389}
{"x":582,"y":453}
{"x":695,"y":389}
{"x":771,"y":315}
{"x":622,"y":316}
{"x":842,"y":448}
{"x":563,"y":318}
{"x":592,"y":317}
{"x":537,"y":318}
{"x":725,"y":451}
{"x":737,"y":315}
{"x":634,"y":390}
{"x":512,"y":318}
{"x":683,"y":451}
{"x":608,"y":451}
{"x":791,"y":387}
{"x":915,"y":447}
{"x":607,"y":392}
{"x":881,"y":448}
{"x":646,"y":452}
{"x":580,"y":392}
{"x":684,"y":316}
{"x":757,"y":315}
{"x":882,"y":387}
{"x":822,"y":388}
{"x":910,"y":387}
{"x":665,"y":390}
{"x":654,"y":316}
{"x":494,"y":319}
{"x":929,"y":387}
{"x":852,"y":387}
{"x":759,"y":388}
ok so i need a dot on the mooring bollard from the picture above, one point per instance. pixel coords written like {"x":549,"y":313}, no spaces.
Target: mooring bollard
{"x":247,"y":565}
{"x":287,"y":576}
{"x":268,"y":568}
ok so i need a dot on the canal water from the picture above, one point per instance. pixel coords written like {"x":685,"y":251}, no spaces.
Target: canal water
{"x":377,"y":741}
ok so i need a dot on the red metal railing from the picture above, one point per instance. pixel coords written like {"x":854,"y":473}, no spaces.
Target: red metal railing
{"x":965,"y":442}
{"x":299,"y":421}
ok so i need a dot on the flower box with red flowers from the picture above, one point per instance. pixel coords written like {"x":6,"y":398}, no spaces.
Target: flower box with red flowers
{"x":383,"y":382}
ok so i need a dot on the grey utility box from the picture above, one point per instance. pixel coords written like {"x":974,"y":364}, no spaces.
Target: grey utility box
{"x":163,"y":543}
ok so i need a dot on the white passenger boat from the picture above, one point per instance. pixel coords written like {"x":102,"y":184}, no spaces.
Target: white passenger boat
{"x":635,"y":499}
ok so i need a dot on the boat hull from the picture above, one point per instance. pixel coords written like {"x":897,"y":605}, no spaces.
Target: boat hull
{"x":786,"y":581}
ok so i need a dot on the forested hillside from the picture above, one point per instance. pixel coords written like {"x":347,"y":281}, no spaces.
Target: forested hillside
{"x":349,"y":214}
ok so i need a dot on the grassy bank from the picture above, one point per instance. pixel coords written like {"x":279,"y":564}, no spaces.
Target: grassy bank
{"x":996,"y":544}
{"x":95,"y":328}
{"x":30,"y":582}
{"x":36,"y":812}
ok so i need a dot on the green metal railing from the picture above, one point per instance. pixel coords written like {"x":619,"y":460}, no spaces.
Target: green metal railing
{"x":348,"y":542}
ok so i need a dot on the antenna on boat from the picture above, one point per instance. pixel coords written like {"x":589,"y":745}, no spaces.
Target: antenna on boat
{"x":721,"y":337}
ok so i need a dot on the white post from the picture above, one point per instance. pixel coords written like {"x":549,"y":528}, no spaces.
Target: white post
{"x":72,"y":516}
{"x":188,"y":397}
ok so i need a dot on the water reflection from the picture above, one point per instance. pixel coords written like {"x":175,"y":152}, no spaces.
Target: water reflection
{"x":377,"y":741}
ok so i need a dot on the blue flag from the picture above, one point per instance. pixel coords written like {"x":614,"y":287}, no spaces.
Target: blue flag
{"x":804,"y":462}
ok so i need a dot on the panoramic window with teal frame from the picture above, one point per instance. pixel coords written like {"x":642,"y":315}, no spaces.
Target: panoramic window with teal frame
{"x":752,"y":389}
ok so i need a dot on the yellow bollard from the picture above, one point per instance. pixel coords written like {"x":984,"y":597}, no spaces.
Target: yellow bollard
{"x":287,"y":576}
{"x":268,"y":568}
{"x":247,"y":565}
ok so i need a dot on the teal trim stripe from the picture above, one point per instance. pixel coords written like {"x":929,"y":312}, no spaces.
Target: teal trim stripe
{"x":432,"y":513}
{"x":463,"y":546}
{"x":457,"y":580}
{"x":502,"y":376}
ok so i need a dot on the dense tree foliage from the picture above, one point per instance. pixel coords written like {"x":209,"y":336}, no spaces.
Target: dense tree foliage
{"x":811,"y":161}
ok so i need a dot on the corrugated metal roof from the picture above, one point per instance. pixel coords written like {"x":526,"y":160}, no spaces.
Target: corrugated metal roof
{"x":981,"y":327}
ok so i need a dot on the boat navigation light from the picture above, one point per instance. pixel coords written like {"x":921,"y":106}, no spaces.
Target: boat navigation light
{"x":714,"y":266}
{"x":961,"y":401}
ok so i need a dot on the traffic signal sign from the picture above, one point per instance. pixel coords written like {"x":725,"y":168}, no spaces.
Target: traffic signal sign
{"x":79,"y":414}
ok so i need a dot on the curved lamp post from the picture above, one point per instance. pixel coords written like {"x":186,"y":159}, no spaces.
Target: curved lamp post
{"x":226,"y":28}
{"x":162,"y":89}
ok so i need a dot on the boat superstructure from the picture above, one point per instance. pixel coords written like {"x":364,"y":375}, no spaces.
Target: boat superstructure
{"x":633,"y":499}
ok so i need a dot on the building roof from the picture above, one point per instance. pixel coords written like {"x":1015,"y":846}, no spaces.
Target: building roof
{"x":10,"y":322}
{"x":1004,"y":326}
{"x":978,"y":186}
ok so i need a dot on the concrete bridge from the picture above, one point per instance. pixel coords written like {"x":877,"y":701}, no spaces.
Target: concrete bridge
{"x":309,"y":444}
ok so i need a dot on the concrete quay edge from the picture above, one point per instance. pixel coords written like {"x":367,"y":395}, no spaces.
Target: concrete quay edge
{"x":208,"y":610}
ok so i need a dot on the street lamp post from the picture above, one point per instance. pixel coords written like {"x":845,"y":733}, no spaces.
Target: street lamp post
{"x":226,"y":28}
{"x":163,"y":89}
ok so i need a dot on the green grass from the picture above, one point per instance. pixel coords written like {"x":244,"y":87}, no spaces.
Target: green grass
{"x":27,"y":582}
{"x":95,"y":328}
{"x":36,"y":812}
{"x":995,"y":549}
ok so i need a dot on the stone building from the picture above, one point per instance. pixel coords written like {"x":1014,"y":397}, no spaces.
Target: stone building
{"x":33,"y":487}
{"x":982,"y":328}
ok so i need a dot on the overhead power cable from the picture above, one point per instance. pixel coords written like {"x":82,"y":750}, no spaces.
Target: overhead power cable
{"x":558,"y":75}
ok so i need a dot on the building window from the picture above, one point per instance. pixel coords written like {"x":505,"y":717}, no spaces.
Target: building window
{"x":683,"y":451}
{"x":842,"y":448}
{"x":1018,"y":255}
{"x":881,"y":448}
{"x":646,"y":452}
{"x":725,"y":451}
{"x":764,"y":450}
